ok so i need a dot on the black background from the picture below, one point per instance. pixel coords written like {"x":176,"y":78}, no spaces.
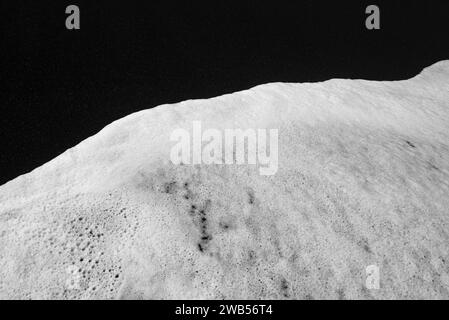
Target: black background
{"x":61,"y":86}
{"x":282,"y":309}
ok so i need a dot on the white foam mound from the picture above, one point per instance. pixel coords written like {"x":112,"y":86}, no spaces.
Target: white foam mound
{"x":363,"y":180}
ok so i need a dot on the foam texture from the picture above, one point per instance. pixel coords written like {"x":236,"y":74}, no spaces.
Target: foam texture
{"x":363,"y":180}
